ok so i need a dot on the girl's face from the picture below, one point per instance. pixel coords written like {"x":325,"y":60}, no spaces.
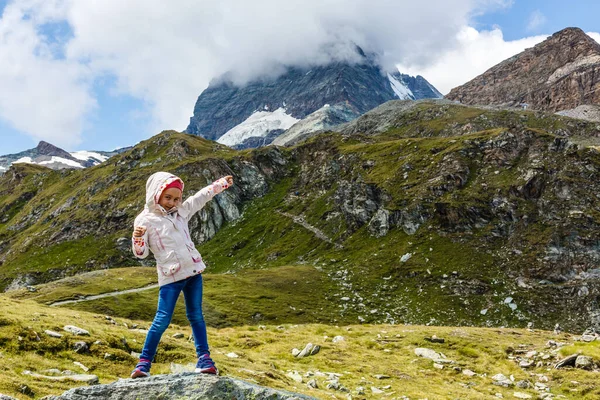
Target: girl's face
{"x":170,"y":198}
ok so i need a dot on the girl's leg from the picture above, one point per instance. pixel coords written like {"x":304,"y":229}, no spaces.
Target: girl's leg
{"x":167,"y":298}
{"x":192,"y":292}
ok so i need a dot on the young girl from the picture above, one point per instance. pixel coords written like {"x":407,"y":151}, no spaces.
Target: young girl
{"x":163,"y":229}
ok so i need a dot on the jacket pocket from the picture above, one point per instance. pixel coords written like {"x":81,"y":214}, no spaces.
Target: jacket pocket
{"x":196,"y":257}
{"x":169,"y":264}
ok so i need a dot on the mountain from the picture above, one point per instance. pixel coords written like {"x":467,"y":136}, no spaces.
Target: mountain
{"x":421,"y":212}
{"x":561,"y":73}
{"x":256,"y":113}
{"x":53,"y":157}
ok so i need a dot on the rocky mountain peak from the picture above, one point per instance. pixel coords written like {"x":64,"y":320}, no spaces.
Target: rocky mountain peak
{"x":254,"y":114}
{"x":48,"y":149}
{"x":560,"y":73}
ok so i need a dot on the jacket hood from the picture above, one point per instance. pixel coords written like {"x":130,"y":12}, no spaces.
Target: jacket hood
{"x":155,"y":185}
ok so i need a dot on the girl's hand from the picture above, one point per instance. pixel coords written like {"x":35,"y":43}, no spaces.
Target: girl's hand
{"x":139,"y":231}
{"x":229,"y":180}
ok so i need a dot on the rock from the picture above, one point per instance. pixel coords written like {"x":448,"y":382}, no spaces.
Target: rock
{"x":306,"y":351}
{"x":178,"y":335}
{"x":5,"y":397}
{"x":89,"y":379}
{"x":295,"y":376}
{"x":81,"y":348}
{"x":338,"y":339}
{"x":567,"y":361}
{"x":232,"y":355}
{"x":312,"y":384}
{"x":523,"y":384}
{"x":75,"y":330}
{"x":428,"y":353}
{"x":434,"y":339}
{"x":381,"y":376}
{"x":376,"y":390}
{"x":588,"y":338}
{"x":80,"y":365}
{"x":526,"y":363}
{"x":188,"y":386}
{"x":468,"y":372}
{"x":53,"y":334}
{"x":501,"y":380}
{"x":438,"y":366}
{"x":520,"y":395}
{"x":316,"y":348}
{"x":584,"y":362}
{"x":295,"y":352}
{"x":405,"y":257}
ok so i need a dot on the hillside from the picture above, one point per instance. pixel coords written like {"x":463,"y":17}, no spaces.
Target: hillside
{"x":417,"y":212}
{"x":34,"y":361}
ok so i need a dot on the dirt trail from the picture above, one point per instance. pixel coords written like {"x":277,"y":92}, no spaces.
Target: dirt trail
{"x":100,"y":296}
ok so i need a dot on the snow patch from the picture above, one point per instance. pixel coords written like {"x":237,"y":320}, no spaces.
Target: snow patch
{"x":260,"y":123}
{"x":401,"y":90}
{"x":23,"y":160}
{"x":86,"y":155}
{"x":61,"y":160}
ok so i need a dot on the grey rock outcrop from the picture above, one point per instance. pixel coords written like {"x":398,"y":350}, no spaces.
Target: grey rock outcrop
{"x":188,"y":386}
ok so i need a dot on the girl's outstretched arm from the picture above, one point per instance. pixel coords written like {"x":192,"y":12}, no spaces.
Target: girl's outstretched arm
{"x":194,"y":203}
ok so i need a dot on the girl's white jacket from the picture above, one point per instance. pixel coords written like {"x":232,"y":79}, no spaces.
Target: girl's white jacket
{"x":167,"y":234}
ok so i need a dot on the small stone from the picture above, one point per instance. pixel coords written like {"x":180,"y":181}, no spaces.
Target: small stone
{"x":75,"y":330}
{"x":80,"y":365}
{"x":484,"y":311}
{"x":523,"y":384}
{"x":232,"y":355}
{"x":81,"y":347}
{"x":588,"y":338}
{"x":520,"y":395}
{"x":381,"y":376}
{"x":178,"y":335}
{"x":316,"y":348}
{"x":468,"y":372}
{"x":438,"y":366}
{"x":306,"y":351}
{"x":376,"y":390}
{"x":338,"y":339}
{"x":584,"y":362}
{"x":312,"y":384}
{"x":53,"y":334}
{"x":295,"y":376}
{"x":295,"y":352}
{"x":108,"y":356}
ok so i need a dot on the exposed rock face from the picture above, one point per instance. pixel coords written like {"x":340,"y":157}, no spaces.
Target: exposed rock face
{"x":560,"y":73}
{"x":188,"y":386}
{"x":360,"y":86}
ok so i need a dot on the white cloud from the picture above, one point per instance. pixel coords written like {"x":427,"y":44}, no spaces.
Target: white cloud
{"x":165,"y":53}
{"x":474,"y":53}
{"x":594,"y":35}
{"x":536,"y":21}
{"x":47,"y":98}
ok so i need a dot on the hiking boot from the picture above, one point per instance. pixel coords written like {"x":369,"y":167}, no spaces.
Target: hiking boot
{"x":206,"y":365}
{"x":141,"y":370}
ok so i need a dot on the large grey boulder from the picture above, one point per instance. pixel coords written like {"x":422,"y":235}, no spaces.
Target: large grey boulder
{"x":186,"y":385}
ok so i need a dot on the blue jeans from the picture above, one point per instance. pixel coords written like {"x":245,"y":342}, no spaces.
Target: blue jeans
{"x":167,"y":298}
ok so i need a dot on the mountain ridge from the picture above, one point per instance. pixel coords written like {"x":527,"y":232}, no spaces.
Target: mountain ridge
{"x":560,"y":73}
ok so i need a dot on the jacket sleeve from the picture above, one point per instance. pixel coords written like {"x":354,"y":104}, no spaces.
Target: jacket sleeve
{"x":139,"y":245}
{"x":194,"y":203}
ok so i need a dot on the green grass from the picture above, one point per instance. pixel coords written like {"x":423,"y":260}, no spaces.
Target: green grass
{"x":265,"y":355}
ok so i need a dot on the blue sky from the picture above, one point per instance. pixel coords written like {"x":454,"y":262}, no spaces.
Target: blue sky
{"x":88,"y":75}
